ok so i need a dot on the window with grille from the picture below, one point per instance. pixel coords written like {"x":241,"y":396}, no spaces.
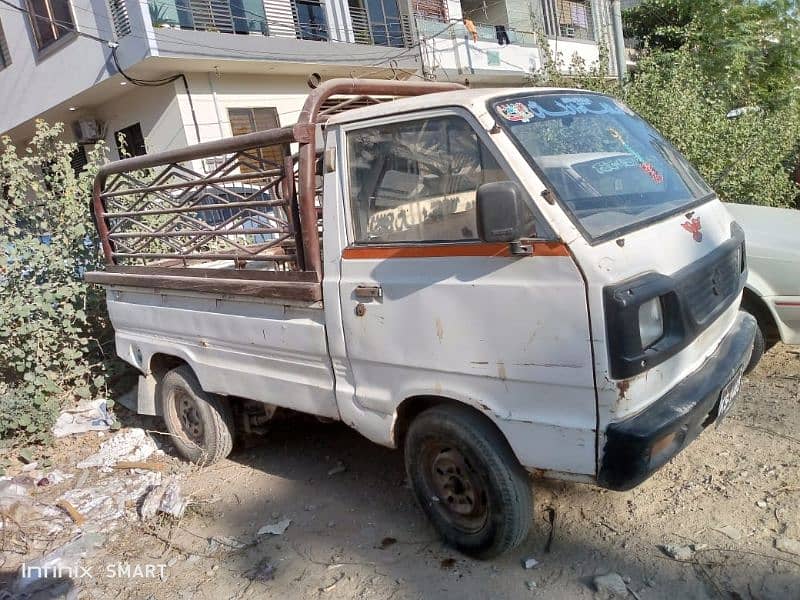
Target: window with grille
{"x":5,"y":57}
{"x":568,"y":19}
{"x":310,"y":20}
{"x":51,"y":21}
{"x":378,"y":22}
{"x":250,"y":120}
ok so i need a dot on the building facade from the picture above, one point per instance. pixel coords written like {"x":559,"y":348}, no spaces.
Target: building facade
{"x":167,"y":73}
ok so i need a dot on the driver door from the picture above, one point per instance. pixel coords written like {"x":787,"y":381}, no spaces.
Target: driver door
{"x":428,"y":309}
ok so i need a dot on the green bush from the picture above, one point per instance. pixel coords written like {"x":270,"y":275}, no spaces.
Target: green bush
{"x":48,"y":346}
{"x":749,"y":159}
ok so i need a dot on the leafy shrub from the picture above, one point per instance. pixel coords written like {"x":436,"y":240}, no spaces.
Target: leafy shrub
{"x":749,"y":159}
{"x":47,"y":342}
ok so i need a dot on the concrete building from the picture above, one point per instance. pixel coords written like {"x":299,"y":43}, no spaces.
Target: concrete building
{"x":199,"y":70}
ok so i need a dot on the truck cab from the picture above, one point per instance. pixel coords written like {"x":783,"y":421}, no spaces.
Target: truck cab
{"x":499,"y":281}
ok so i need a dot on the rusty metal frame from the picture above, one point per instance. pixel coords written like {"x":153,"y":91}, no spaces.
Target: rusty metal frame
{"x":301,"y":198}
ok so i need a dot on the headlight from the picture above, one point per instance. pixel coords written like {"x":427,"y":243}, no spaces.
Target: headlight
{"x":651,"y":322}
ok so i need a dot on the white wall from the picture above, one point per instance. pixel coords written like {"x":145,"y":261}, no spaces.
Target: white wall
{"x":214,"y":94}
{"x":443,"y":53}
{"x":156,"y":109}
{"x":566,"y":50}
{"x":36,"y":81}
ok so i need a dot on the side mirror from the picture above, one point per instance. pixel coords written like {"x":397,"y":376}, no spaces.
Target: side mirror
{"x":500,"y":211}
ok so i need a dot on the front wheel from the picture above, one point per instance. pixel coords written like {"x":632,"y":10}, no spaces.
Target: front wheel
{"x":759,"y":347}
{"x":468,"y":481}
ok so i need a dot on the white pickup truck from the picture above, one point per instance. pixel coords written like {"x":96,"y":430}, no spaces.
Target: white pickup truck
{"x":501,"y":282}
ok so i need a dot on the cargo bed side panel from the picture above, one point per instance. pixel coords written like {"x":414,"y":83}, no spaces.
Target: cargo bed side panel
{"x":269,"y":351}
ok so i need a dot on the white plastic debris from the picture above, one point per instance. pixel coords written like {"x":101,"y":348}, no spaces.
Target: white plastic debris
{"x":529,"y":563}
{"x":166,"y":499}
{"x":55,"y":477}
{"x":90,"y":415}
{"x":104,"y":504}
{"x":13,"y":488}
{"x":128,"y":445}
{"x":275,"y":528}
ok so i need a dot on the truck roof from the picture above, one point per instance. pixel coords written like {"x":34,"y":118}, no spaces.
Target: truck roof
{"x":467,"y":98}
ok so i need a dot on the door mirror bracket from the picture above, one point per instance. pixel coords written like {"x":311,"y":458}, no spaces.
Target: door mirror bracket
{"x":517,"y":248}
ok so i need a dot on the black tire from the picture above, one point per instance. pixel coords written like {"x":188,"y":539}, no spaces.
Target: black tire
{"x":201,"y":424}
{"x":759,"y":347}
{"x":467,"y":481}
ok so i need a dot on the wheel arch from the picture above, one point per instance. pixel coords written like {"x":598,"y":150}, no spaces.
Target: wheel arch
{"x":161,"y":363}
{"x":753,"y":303}
{"x":413,"y":406}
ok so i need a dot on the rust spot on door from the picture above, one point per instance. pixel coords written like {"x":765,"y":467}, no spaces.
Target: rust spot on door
{"x":439,"y":329}
{"x":623,"y":386}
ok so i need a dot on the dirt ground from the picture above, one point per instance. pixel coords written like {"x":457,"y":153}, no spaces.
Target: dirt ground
{"x":357,"y":533}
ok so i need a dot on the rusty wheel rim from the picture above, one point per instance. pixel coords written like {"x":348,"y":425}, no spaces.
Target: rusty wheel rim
{"x":188,"y":416}
{"x":459,"y":491}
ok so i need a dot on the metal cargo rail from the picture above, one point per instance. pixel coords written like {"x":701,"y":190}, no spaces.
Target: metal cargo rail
{"x":239,"y":215}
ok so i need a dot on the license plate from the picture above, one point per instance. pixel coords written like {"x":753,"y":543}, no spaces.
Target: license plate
{"x":728,"y":393}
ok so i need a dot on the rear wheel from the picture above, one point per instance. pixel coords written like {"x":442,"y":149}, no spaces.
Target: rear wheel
{"x":201,"y":424}
{"x":468,"y":481}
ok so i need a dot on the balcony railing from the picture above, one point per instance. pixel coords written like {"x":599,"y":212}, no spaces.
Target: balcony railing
{"x":306,"y":20}
{"x":221,"y":16}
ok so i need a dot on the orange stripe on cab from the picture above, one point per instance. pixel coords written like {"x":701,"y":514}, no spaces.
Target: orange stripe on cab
{"x":447,"y":250}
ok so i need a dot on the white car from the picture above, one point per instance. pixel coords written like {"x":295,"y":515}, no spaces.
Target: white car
{"x":772,"y":291}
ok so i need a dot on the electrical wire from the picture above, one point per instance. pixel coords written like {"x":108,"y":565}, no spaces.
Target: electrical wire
{"x":157,"y":83}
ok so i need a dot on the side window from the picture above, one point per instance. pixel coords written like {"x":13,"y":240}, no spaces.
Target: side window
{"x":416,"y":181}
{"x":51,"y":20}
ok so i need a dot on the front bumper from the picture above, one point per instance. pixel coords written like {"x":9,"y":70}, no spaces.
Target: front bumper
{"x":638,"y":446}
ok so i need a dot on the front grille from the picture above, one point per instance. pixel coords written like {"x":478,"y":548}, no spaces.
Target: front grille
{"x":706,"y":289}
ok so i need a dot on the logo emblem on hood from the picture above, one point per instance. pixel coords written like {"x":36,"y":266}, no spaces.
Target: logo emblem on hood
{"x":693,"y":226}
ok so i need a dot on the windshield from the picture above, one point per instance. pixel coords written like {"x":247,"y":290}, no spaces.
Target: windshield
{"x":609,"y":168}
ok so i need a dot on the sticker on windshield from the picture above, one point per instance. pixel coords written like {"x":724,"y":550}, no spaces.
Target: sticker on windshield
{"x":516,"y":112}
{"x":604,"y":167}
{"x":548,"y":107}
{"x":571,"y":106}
{"x":645,"y":166}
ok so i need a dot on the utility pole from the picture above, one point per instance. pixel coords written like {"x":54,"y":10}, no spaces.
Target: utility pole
{"x":619,"y":39}
{"x":413,"y":32}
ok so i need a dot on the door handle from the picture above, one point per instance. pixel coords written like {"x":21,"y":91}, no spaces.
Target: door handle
{"x":367,"y":292}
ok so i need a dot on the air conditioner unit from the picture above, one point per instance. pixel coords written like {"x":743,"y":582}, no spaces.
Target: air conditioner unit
{"x":87,"y":131}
